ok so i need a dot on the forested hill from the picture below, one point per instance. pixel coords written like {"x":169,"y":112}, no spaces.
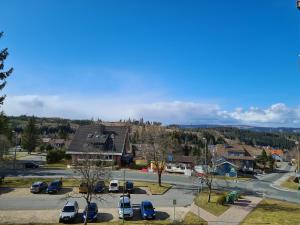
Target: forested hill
{"x":285,"y":140}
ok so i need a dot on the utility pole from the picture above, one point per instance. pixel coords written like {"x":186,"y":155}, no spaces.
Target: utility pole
{"x":15,"y":155}
{"x":123,"y":193}
{"x":205,"y":151}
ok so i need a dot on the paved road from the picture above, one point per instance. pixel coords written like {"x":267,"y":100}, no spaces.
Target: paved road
{"x":260,"y":187}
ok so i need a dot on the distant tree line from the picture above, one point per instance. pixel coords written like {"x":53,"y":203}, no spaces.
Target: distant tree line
{"x":276,"y":140}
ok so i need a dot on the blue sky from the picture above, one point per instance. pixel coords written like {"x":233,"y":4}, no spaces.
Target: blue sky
{"x":225,"y":62}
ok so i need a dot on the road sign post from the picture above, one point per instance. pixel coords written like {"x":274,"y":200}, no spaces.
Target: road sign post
{"x":174,"y":204}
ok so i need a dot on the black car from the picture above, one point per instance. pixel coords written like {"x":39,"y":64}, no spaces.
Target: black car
{"x":129,"y":187}
{"x":100,"y":186}
{"x":31,"y":165}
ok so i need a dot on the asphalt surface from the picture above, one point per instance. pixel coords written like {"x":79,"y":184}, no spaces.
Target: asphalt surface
{"x":24,"y":200}
{"x":184,"y":186}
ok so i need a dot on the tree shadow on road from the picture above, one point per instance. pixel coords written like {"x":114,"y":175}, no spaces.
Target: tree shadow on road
{"x":5,"y":190}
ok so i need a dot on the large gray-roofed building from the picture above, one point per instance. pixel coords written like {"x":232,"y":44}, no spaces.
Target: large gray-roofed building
{"x":108,"y":142}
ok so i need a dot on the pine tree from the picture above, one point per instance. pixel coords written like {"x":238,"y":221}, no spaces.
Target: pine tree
{"x":3,"y":73}
{"x":30,"y":136}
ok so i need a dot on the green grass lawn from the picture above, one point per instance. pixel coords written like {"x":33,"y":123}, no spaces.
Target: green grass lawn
{"x":241,"y":178}
{"x":274,"y":212}
{"x":13,"y":182}
{"x":289,"y":183}
{"x":191,"y":218}
{"x":154,"y":188}
{"x":212,"y":207}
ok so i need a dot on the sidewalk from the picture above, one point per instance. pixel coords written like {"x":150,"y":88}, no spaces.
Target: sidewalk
{"x":277,"y":184}
{"x":233,"y":216}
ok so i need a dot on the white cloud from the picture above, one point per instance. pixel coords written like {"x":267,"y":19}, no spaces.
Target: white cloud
{"x":181,"y":112}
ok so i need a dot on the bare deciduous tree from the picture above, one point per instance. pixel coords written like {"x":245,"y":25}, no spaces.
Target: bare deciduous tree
{"x":163,"y":144}
{"x":89,"y":170}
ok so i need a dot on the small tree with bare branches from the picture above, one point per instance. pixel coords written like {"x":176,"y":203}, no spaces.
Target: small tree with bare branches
{"x":89,"y":170}
{"x":163,"y":144}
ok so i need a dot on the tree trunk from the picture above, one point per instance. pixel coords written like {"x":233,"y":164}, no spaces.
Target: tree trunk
{"x":159,"y":178}
{"x":209,"y":193}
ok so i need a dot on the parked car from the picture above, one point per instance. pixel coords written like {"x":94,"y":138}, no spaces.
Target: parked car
{"x":38,"y":187}
{"x":54,"y":187}
{"x":31,"y":165}
{"x":129,"y":187}
{"x":147,"y":210}
{"x":18,"y":148}
{"x":113,"y":186}
{"x":99,"y":187}
{"x":90,"y":212}
{"x":125,"y":209}
{"x":69,"y":212}
{"x":83,"y":188}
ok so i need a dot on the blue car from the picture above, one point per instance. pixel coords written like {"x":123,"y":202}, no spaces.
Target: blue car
{"x":92,"y":212}
{"x":54,"y":187}
{"x":147,"y":210}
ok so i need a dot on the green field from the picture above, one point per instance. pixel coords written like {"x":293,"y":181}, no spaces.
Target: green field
{"x":274,"y":212}
{"x":289,"y":183}
{"x":212,"y":207}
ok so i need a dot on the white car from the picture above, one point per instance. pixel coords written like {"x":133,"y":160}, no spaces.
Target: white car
{"x":125,"y":209}
{"x":113,"y":186}
{"x":69,"y":212}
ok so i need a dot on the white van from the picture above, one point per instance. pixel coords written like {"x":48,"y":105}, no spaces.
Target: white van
{"x":113,"y":186}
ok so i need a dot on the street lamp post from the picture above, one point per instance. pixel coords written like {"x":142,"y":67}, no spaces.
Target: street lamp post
{"x":15,"y":154}
{"x":205,"y":153}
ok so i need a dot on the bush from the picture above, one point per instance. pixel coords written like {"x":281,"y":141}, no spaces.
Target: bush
{"x":55,"y":155}
{"x":137,"y":167}
{"x":221,"y":199}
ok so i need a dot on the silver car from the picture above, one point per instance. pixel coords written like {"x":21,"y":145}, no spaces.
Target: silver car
{"x":69,"y":212}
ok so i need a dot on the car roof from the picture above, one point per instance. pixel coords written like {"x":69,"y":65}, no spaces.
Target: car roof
{"x":125,"y":199}
{"x":114,"y":181}
{"x":93,"y":204}
{"x":55,"y":181}
{"x":146,"y":202}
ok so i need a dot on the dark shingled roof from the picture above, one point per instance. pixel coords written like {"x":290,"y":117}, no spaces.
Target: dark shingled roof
{"x":98,"y":138}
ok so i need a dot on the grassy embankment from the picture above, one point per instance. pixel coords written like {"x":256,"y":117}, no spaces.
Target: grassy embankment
{"x":274,"y":212}
{"x":212,"y":207}
{"x":290,"y":184}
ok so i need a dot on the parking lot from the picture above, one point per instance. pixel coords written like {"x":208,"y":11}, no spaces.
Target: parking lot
{"x":21,"y":205}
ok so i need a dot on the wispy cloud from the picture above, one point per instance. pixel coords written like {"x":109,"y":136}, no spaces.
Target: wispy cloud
{"x":180,"y":112}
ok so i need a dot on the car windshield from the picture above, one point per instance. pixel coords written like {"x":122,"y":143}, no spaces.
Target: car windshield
{"x":125,"y":205}
{"x":113,"y":184}
{"x":148,"y":207}
{"x":68,"y":209}
{"x":35,"y":185}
